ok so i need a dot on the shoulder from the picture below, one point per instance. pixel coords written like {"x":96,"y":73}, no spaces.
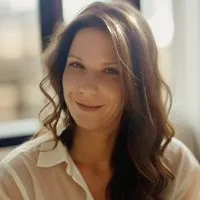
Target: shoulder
{"x":178,"y":156}
{"x":17,"y":168}
{"x":186,"y":169}
{"x":28,"y":150}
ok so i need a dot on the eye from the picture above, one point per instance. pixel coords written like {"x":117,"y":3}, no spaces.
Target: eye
{"x":76,"y":65}
{"x":112,"y":71}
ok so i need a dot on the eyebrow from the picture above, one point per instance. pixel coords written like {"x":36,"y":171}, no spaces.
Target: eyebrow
{"x":73,"y":56}
{"x":104,"y":63}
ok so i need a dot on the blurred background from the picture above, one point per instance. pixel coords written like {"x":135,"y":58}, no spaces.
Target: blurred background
{"x":25,"y":28}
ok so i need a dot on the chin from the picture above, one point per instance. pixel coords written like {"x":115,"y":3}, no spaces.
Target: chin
{"x":88,"y":124}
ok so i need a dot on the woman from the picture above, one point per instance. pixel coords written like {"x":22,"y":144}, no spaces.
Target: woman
{"x":116,"y":142}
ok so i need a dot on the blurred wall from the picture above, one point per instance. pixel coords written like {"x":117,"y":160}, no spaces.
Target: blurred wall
{"x":176,"y":28}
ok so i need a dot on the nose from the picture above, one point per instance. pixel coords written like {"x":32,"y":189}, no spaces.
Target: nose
{"x":88,"y":85}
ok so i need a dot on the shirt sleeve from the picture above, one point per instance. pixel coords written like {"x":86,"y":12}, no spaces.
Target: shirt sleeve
{"x":9,"y":188}
{"x":187,"y":174}
{"x":192,"y":190}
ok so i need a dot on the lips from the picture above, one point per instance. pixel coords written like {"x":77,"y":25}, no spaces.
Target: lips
{"x":88,"y":107}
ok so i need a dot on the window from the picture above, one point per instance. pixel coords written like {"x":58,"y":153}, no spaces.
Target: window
{"x":19,"y":60}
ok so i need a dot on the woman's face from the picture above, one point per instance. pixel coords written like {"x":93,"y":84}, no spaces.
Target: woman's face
{"x":92,"y":81}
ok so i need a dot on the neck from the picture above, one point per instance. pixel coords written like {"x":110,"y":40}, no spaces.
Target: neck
{"x":93,"y":148}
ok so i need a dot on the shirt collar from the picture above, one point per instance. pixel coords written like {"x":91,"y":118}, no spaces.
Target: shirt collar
{"x":50,"y":156}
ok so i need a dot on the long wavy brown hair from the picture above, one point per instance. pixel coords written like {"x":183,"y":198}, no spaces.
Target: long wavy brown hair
{"x":137,"y":159}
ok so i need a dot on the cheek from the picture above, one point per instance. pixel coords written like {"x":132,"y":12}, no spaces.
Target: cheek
{"x":69,"y":82}
{"x":113,"y":89}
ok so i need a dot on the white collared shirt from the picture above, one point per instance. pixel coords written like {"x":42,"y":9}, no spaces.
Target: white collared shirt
{"x":34,"y":171}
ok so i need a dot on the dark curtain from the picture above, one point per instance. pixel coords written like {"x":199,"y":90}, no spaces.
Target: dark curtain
{"x":50,"y":14}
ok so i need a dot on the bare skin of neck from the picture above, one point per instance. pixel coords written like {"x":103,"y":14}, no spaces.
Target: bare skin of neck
{"x":91,"y":153}
{"x":93,"y":149}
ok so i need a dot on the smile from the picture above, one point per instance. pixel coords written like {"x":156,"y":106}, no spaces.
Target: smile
{"x":88,"y":108}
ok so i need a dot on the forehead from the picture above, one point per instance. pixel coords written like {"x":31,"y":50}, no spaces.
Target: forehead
{"x":93,"y":42}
